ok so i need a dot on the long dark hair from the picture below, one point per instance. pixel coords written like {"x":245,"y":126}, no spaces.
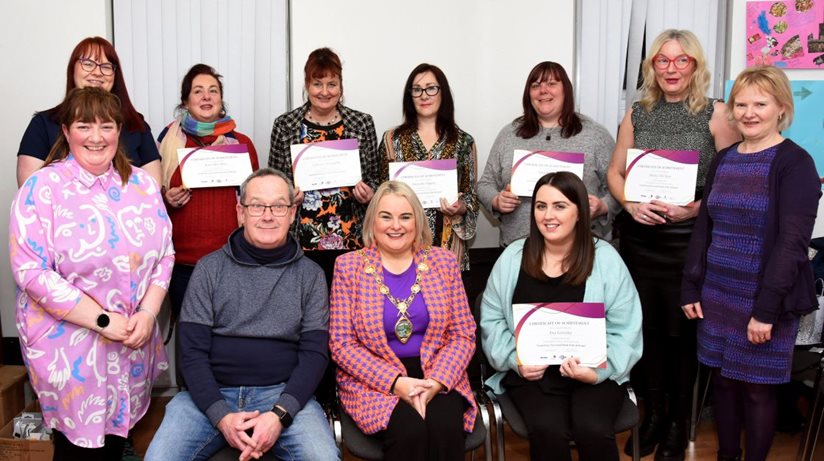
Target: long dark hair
{"x":99,"y":46}
{"x":90,"y":105}
{"x":445,"y":123}
{"x":570,"y":122}
{"x":578,"y":263}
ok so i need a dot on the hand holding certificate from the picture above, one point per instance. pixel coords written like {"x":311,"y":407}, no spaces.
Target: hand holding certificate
{"x":214,"y":166}
{"x":528,"y":166}
{"x":665,"y":175}
{"x":430,"y":179}
{"x":548,"y":333}
{"x":326,"y":164}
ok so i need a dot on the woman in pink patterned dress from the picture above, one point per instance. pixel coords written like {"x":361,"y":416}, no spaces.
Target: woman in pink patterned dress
{"x":91,"y":253}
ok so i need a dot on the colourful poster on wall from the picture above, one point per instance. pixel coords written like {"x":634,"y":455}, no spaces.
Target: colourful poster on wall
{"x":807,"y":129}
{"x":788,"y":34}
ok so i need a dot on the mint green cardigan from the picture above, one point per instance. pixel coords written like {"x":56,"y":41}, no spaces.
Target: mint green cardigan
{"x":609,"y":283}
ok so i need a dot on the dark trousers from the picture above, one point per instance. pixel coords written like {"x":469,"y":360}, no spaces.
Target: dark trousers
{"x":557,"y":410}
{"x":67,"y":451}
{"x":439,"y":437}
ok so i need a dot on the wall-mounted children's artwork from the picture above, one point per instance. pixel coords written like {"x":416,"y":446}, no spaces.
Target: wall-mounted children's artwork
{"x":788,"y":34}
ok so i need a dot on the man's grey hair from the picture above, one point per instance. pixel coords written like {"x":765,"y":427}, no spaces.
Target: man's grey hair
{"x":267,"y":171}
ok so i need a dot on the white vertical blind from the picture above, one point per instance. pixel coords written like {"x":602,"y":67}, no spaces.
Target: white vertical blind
{"x":611,"y":39}
{"x":244,"y":40}
{"x":602,"y":58}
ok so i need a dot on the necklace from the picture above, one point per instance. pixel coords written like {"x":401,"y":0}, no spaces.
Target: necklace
{"x":334,"y":118}
{"x":403,"y":327}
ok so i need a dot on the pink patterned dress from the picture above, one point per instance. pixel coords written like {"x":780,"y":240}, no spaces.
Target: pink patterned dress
{"x":70,"y":233}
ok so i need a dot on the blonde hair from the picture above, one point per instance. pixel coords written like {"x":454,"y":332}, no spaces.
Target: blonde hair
{"x":696,"y":99}
{"x":424,"y":237}
{"x":770,"y":80}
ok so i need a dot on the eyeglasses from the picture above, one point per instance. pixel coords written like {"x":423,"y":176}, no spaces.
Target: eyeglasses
{"x":88,"y":65}
{"x":681,"y":62}
{"x":417,"y":91}
{"x":256,"y":209}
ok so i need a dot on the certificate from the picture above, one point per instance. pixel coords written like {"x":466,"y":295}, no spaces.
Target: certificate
{"x":665,"y":175}
{"x":548,"y":333}
{"x":326,"y":164}
{"x":528,"y":166}
{"x":430,"y":179}
{"x":214,"y":166}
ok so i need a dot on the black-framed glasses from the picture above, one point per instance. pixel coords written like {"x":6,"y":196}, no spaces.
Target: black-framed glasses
{"x":89,"y":65}
{"x":258,"y":209}
{"x":681,"y":62}
{"x":417,"y":91}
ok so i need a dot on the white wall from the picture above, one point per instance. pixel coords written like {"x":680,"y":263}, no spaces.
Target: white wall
{"x":36,"y":39}
{"x":486,"y":49}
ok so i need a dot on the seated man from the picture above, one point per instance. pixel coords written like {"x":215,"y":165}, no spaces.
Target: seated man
{"x":253,"y":339}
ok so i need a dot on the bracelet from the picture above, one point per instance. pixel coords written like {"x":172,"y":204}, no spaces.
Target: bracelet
{"x":148,"y":311}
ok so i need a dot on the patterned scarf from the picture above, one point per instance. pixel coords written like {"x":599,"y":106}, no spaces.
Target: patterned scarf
{"x":201,"y":129}
{"x":176,"y":138}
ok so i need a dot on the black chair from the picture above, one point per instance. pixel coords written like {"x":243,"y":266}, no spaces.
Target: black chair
{"x":628,"y":419}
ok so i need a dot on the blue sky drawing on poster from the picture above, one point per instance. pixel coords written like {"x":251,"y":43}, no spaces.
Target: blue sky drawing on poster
{"x":807,"y":129}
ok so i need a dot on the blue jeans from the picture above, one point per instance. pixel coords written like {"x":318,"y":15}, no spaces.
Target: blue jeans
{"x":186,"y":434}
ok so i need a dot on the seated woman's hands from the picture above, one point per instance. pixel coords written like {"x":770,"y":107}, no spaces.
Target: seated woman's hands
{"x":532,"y":372}
{"x":571,"y":368}
{"x":417,"y":392}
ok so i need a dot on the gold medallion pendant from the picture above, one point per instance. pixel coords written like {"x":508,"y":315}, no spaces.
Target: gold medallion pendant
{"x":403,"y":329}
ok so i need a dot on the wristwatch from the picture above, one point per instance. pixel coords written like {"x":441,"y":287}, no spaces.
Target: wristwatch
{"x":102,"y":321}
{"x":285,"y":417}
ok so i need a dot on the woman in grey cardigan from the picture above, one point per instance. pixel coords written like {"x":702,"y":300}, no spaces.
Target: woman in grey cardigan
{"x":549,"y":123}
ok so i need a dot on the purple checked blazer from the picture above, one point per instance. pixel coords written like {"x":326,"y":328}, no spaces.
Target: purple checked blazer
{"x":367,"y":367}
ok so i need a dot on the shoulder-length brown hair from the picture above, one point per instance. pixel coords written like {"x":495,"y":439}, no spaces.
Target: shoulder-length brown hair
{"x":94,"y":47}
{"x":424,"y":237}
{"x":89,"y":105}
{"x":570,"y":122}
{"x":578,"y":263}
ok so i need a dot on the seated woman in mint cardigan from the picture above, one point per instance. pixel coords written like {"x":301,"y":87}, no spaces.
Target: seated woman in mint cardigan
{"x":560,"y":261}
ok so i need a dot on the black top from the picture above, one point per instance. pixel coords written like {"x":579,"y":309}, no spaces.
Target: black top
{"x":531,"y":290}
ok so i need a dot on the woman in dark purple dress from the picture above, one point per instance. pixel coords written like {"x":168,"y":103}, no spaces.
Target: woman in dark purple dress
{"x":747,"y":277}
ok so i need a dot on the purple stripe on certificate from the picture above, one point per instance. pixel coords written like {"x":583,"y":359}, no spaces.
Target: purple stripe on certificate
{"x":688,"y":157}
{"x":338,"y":144}
{"x":225,"y":148}
{"x":588,"y":310}
{"x":566,"y":157}
{"x":443,"y":165}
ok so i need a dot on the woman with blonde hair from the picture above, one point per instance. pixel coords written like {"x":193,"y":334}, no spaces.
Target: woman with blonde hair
{"x":673,"y":113}
{"x":747,"y":277}
{"x":402,"y":334}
